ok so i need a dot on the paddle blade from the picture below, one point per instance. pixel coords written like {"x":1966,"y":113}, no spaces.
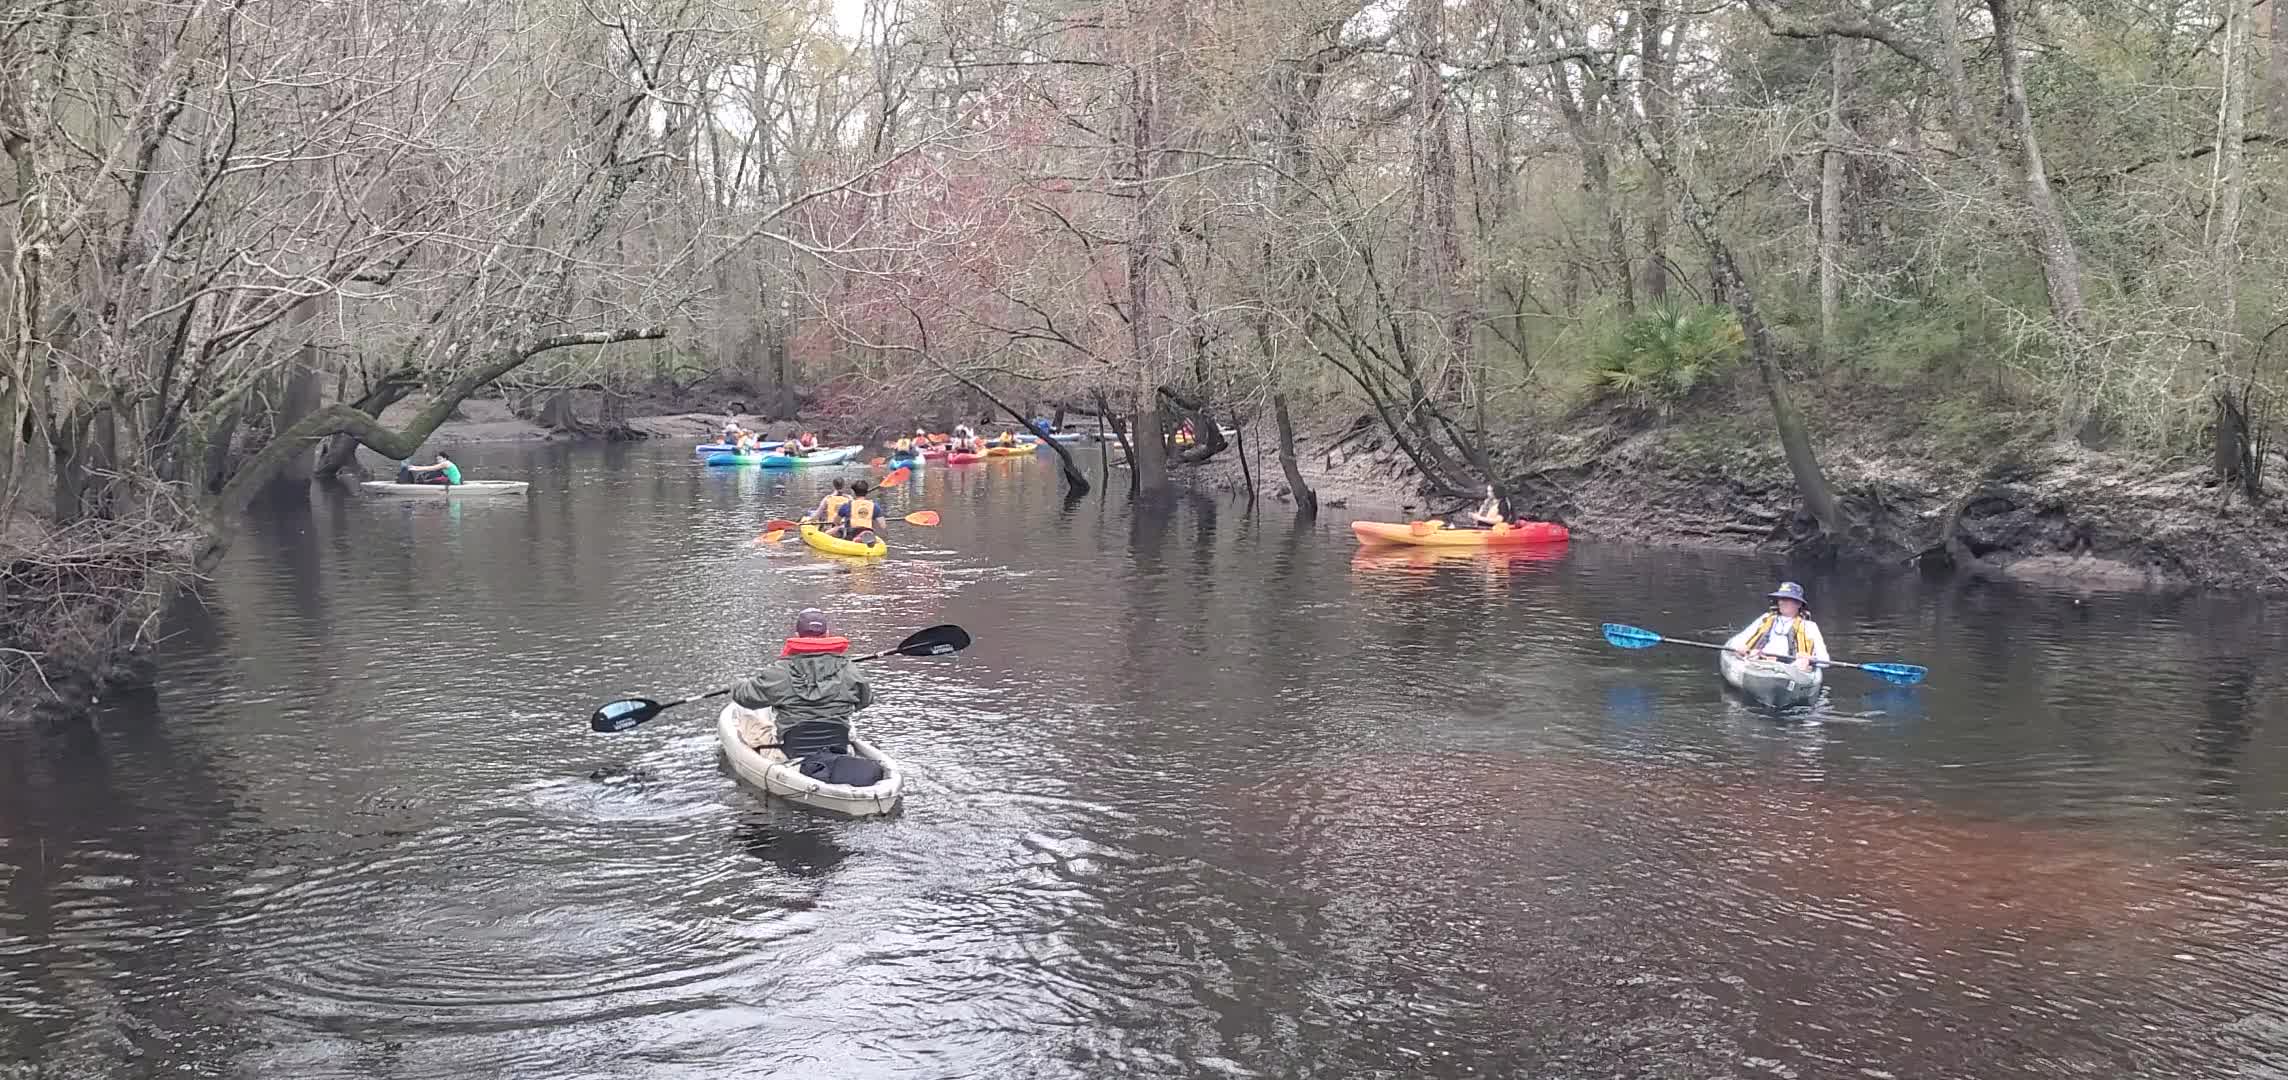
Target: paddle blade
{"x":772,"y":537}
{"x":922,"y":517}
{"x":879,"y":462}
{"x":897,"y":476}
{"x":622,"y":715}
{"x":1629,"y":637}
{"x":1900,"y":674}
{"x":943,"y":640}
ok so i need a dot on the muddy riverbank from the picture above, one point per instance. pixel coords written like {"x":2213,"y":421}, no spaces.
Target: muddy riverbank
{"x":1980,"y":494}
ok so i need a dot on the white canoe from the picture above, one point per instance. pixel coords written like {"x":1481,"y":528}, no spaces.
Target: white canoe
{"x":466,"y":489}
{"x":1772,"y":682}
{"x":772,"y":772}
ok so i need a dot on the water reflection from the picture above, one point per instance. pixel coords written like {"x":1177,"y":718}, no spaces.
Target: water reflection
{"x":1212,"y":794}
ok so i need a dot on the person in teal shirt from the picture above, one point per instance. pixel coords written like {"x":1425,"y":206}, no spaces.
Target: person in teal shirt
{"x":442,"y":471}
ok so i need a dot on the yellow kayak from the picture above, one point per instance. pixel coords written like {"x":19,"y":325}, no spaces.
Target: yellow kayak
{"x":1007,"y":451}
{"x":837,"y":546}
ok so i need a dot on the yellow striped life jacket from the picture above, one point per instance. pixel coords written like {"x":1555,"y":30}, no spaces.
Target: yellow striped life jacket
{"x":1763,"y":631}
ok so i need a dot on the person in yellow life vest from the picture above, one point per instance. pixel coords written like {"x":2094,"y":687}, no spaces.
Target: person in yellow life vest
{"x":1006,"y":438}
{"x":1786,"y":632}
{"x":833,"y":509}
{"x":860,"y":516}
{"x":904,"y":447}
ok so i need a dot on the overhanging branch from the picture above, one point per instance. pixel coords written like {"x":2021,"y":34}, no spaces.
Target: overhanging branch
{"x":345,"y":419}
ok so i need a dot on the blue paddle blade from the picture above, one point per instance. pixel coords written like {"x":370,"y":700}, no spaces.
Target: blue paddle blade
{"x":1629,"y":637}
{"x":1902,"y":674}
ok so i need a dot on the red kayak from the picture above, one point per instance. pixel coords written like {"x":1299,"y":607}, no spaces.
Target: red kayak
{"x":959,"y":458}
{"x":934,"y":453}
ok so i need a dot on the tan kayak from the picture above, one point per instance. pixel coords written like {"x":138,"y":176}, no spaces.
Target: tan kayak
{"x":1772,"y":682}
{"x":772,"y":772}
{"x":466,"y":489}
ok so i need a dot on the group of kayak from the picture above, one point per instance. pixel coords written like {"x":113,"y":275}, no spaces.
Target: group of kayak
{"x":739,"y":446}
{"x":963,"y":446}
{"x":960,"y":447}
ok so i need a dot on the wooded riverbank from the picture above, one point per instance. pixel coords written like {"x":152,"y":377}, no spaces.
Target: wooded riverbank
{"x":1969,"y":491}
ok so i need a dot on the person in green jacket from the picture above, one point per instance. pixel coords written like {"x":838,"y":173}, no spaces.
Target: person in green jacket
{"x":812,"y":685}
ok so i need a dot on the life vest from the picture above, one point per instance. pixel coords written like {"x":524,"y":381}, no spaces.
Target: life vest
{"x":905,"y":446}
{"x":1763,"y":631}
{"x":837,"y":507}
{"x":813,"y":646}
{"x":861,"y":514}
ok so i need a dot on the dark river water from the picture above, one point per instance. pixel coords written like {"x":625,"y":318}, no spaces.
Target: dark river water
{"x":1211,"y":796}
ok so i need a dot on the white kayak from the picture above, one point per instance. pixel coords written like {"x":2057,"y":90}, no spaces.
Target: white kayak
{"x":1773,"y":682}
{"x":772,"y":772}
{"x":466,"y":489}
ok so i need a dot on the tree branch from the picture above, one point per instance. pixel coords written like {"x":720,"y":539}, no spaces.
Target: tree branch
{"x":345,"y":419}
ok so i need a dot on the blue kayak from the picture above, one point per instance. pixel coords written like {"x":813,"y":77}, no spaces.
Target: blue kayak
{"x":712,"y":448}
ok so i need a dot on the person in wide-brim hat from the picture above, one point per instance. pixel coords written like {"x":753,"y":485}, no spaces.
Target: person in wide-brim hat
{"x":1785,"y":632}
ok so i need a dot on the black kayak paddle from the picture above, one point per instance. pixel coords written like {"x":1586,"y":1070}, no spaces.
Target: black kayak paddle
{"x":617,"y":716}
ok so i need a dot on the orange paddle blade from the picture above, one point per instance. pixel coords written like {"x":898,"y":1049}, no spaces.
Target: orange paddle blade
{"x":879,"y":462}
{"x":922,"y":517}
{"x":781,"y":523}
{"x":897,"y":476}
{"x":771,"y":537}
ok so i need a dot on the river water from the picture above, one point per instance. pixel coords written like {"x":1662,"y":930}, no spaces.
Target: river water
{"x":1211,"y":796}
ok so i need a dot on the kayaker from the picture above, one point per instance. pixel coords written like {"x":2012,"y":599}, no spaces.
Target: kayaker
{"x":441,"y":471}
{"x":1489,"y":513}
{"x":832,"y":509}
{"x":904,"y":447}
{"x":859,"y":514}
{"x":812,"y":685}
{"x":1786,"y":632}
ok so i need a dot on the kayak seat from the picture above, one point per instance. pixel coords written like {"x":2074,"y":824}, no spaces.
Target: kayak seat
{"x":815,"y":736}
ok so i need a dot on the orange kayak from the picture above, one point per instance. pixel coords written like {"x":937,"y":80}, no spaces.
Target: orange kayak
{"x":1436,"y":534}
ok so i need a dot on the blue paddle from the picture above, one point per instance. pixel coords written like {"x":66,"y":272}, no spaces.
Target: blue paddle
{"x":1630,"y":637}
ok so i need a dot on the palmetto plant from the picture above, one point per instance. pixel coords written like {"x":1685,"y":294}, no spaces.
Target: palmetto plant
{"x":1659,"y":356}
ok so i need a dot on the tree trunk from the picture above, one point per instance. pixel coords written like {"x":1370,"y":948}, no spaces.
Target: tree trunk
{"x":558,"y":413}
{"x":2276,"y":72}
{"x":1658,"y":77}
{"x":2061,"y":259}
{"x":215,"y":469}
{"x":1306,"y":500}
{"x":2226,"y":190}
{"x":1150,"y":460}
{"x":1969,"y":134}
{"x":301,"y":394}
{"x":1795,"y":435}
{"x":1831,"y":203}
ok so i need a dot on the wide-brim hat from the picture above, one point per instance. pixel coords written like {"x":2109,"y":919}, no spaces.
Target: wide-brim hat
{"x":1789,"y":590}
